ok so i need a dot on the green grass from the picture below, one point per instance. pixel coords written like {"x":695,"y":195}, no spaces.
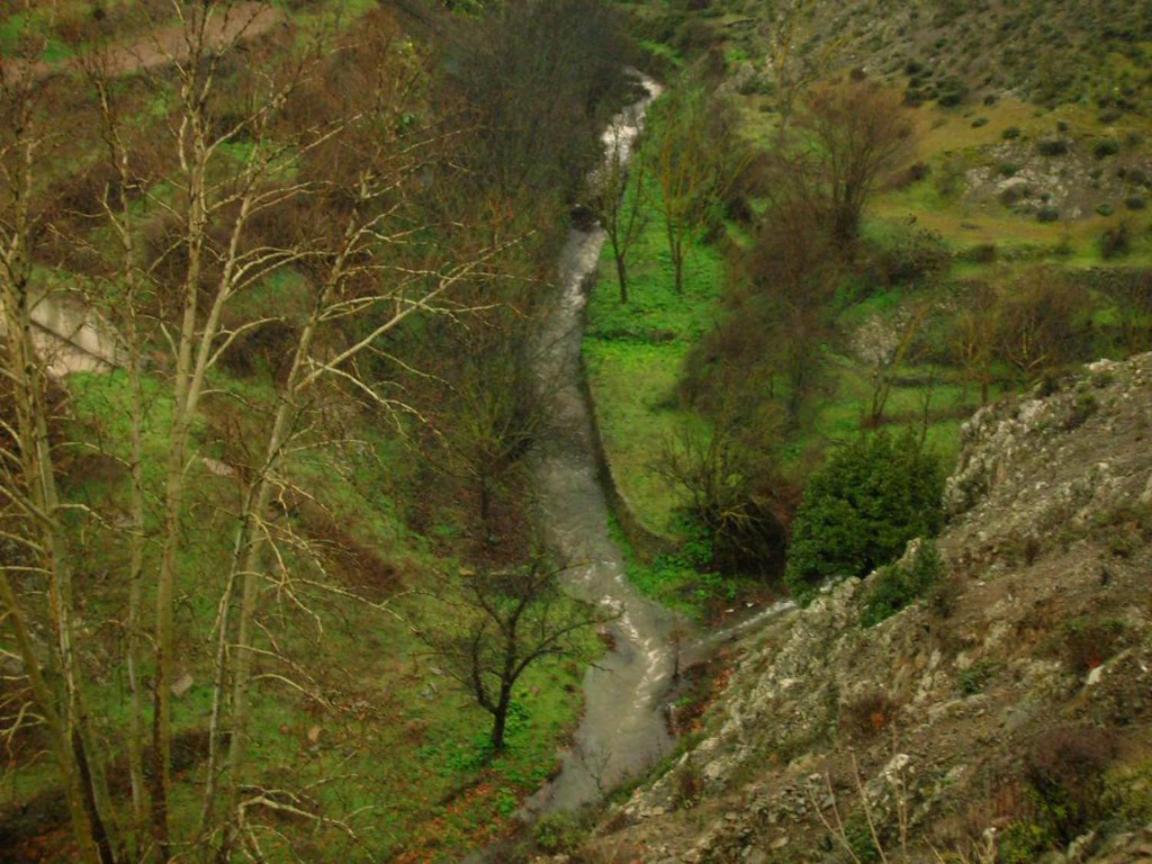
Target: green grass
{"x":400,"y":752}
{"x":839,"y":416}
{"x":679,"y":580}
{"x":634,"y":353}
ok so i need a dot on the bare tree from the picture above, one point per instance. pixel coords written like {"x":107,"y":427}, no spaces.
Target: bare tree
{"x":858,"y":131}
{"x":620,"y":202}
{"x":974,"y":337}
{"x":687,"y":166}
{"x":478,"y":404}
{"x":499,"y":624}
{"x":1037,"y":314}
{"x":267,"y":172}
{"x":885,"y":346}
{"x":793,"y":66}
{"x":29,"y":493}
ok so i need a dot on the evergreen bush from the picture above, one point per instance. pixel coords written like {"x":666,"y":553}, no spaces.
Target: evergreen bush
{"x":861,"y":509}
{"x":899,"y":585}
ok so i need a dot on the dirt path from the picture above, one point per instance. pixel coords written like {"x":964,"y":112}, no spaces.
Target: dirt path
{"x":166,"y":44}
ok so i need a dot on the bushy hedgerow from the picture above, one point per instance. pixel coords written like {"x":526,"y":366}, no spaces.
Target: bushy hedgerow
{"x":861,"y":509}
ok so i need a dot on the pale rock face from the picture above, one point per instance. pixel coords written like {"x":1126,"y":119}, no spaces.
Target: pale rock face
{"x":921,"y":715}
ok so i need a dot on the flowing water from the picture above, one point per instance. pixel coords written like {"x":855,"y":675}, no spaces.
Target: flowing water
{"x":623,"y":731}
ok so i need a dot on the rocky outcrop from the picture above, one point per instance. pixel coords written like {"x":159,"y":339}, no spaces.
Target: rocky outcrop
{"x":936,"y":731}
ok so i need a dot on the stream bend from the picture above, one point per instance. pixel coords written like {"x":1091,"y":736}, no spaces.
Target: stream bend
{"x":623,"y":731}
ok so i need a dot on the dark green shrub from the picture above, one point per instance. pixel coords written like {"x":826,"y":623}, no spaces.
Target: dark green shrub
{"x":1107,"y":147}
{"x":952,"y":92}
{"x":867,"y":715}
{"x":558,"y":832}
{"x":913,"y":97}
{"x":1048,"y":214}
{"x":1087,"y":642}
{"x":1116,"y":241}
{"x":1011,"y":133}
{"x":1052,"y":147}
{"x":976,"y":677}
{"x":1136,"y":202}
{"x":861,"y":509}
{"x":861,"y":844}
{"x":944,"y":597}
{"x":979,"y":122}
{"x":1012,"y":194}
{"x":910,"y":256}
{"x":899,"y":585}
{"x":1023,"y":843}
{"x":1105,"y":209}
{"x":982,"y":253}
{"x":1083,"y":409}
{"x":916,"y":172}
{"x":1065,"y":768}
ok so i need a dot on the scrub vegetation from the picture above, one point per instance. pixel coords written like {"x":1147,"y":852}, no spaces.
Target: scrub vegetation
{"x":894,"y":240}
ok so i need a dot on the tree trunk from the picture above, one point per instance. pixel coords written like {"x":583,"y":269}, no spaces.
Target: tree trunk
{"x":485,"y":506}
{"x":500,"y":720}
{"x":678,"y":267}
{"x":622,"y":277}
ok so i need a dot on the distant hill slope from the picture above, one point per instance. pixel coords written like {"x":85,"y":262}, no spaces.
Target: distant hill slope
{"x":1043,"y":51}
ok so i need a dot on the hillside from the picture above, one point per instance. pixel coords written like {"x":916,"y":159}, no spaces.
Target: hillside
{"x":1048,"y":52}
{"x":1004,"y":718}
{"x":660,"y":431}
{"x":263,"y":420}
{"x":1001,"y":191}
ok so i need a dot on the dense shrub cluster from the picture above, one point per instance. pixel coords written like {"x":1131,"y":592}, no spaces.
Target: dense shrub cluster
{"x":861,"y":509}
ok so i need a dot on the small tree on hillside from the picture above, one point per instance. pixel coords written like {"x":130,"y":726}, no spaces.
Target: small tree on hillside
{"x":497,"y":625}
{"x":1038,"y":318}
{"x":693,"y":162}
{"x":733,"y":490}
{"x":483,"y":418}
{"x":1132,"y":295}
{"x":793,"y":271}
{"x":620,"y":201}
{"x":861,"y":509}
{"x":789,"y":59}
{"x":858,"y":131}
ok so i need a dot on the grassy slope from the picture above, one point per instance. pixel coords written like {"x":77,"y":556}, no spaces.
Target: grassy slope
{"x":634,"y":353}
{"x":400,"y":751}
{"x":634,"y":378}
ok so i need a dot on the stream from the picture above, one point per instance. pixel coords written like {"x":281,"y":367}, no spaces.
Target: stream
{"x":623,"y":731}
